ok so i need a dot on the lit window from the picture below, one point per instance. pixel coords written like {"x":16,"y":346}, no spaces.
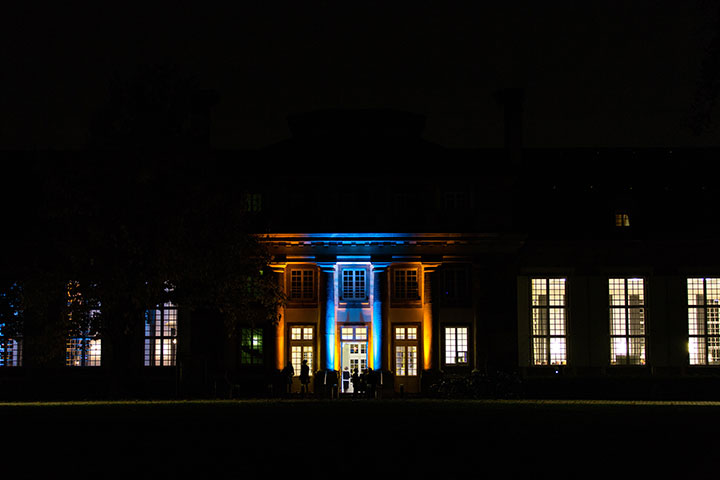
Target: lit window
{"x":622,"y":220}
{"x":251,"y":346}
{"x":406,"y":351}
{"x":704,"y":320}
{"x":405,"y":285}
{"x":627,"y":321}
{"x":353,"y":333}
{"x":11,"y":319}
{"x":301,"y":333}
{"x":549,"y":323}
{"x":301,"y":347}
{"x":10,"y":350}
{"x":357,"y":356}
{"x":302,"y":284}
{"x":83,"y":346}
{"x":161,"y":336}
{"x":83,"y":351}
{"x":353,"y":284}
{"x":456,"y":345}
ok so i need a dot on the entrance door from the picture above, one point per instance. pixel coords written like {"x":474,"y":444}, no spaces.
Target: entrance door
{"x":354,"y":357}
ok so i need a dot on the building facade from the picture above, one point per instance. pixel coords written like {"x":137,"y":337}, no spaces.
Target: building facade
{"x":403,"y":304}
{"x":575,"y":272}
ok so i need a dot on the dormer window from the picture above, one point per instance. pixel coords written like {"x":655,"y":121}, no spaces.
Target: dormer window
{"x":622,"y":219}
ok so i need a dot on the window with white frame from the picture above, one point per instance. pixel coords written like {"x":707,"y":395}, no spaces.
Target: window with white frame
{"x":302,"y":284}
{"x":456,"y":346}
{"x":349,"y":333}
{"x":11,"y":320}
{"x":703,"y":301}
{"x":549,"y":321}
{"x":627,"y":321}
{"x":161,"y":336}
{"x":251,"y":346}
{"x":83,"y":345}
{"x":406,"y":351}
{"x":354,"y":285}
{"x":301,"y":346}
{"x":405,"y":284}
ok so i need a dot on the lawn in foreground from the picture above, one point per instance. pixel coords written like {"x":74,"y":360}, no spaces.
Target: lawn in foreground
{"x":353,"y":439}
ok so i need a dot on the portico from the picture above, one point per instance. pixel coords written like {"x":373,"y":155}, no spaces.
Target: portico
{"x":369,"y":301}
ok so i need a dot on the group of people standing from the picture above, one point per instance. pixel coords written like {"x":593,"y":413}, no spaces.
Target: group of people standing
{"x":289,"y":372}
{"x":362,"y":382}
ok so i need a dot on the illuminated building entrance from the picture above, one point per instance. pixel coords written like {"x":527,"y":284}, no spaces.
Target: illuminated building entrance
{"x":353,"y":354}
{"x":354,"y":357}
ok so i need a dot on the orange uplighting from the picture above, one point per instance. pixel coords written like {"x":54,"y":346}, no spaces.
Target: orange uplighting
{"x":280,"y":343}
{"x":427,"y":336}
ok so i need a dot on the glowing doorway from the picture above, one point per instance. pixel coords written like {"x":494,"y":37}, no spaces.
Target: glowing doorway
{"x":354,"y":357}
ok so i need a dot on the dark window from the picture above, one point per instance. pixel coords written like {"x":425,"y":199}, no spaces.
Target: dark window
{"x":302,"y":284}
{"x":354,"y":284}
{"x":455,"y":285}
{"x":405,"y":284}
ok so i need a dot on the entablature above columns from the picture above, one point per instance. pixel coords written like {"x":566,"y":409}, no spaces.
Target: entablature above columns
{"x":317,"y":245}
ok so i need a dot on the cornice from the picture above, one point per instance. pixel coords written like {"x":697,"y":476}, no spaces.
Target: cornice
{"x":386,"y":239}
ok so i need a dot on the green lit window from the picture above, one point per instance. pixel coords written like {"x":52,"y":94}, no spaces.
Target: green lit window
{"x":251,"y":346}
{"x":253,"y":202}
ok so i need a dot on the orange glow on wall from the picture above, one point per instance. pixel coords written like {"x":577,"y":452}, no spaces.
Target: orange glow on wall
{"x":279,"y":270}
{"x":280,"y":343}
{"x":427,"y":336}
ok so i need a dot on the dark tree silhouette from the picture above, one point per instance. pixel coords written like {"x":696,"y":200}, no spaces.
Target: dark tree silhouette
{"x":127,"y":226}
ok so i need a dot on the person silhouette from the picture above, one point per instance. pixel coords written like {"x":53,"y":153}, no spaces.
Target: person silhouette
{"x":304,"y":376}
{"x":345,"y":379}
{"x":288,"y":373}
{"x":355,"y":380}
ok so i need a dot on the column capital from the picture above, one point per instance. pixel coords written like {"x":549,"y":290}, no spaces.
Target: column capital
{"x":326,"y":266}
{"x":429,"y":267}
{"x":278,"y":267}
{"x":380,"y":266}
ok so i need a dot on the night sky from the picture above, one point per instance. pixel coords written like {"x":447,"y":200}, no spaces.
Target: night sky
{"x":595,"y":73}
